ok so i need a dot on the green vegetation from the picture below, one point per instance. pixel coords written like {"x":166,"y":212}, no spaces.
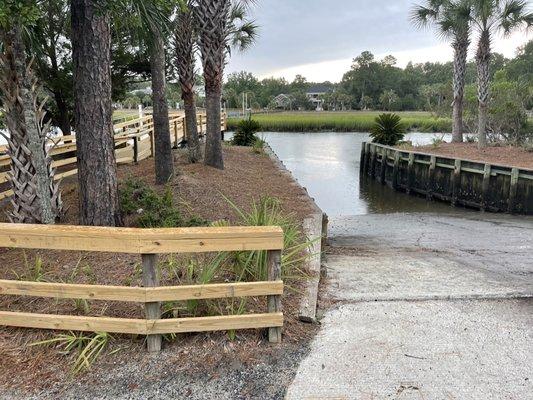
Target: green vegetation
{"x":151,"y":209}
{"x":87,"y":347}
{"x":387,"y":129}
{"x":245,"y":132}
{"x":355,"y":121}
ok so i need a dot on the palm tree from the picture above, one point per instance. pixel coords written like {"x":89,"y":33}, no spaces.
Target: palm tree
{"x":36,"y":197}
{"x":97,"y":168}
{"x":185,"y":42}
{"x":491,"y":17}
{"x":452,"y":19}
{"x":211,"y":19}
{"x":221,"y":25}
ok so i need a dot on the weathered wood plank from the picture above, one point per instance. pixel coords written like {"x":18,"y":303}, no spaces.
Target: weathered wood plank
{"x":73,"y":323}
{"x":214,"y":291}
{"x":152,"y":309}
{"x":140,"y":241}
{"x":218,"y":323}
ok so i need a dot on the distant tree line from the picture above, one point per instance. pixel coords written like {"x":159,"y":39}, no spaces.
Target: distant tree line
{"x":373,"y":84}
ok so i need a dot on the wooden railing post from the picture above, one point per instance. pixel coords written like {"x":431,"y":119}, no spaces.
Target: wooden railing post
{"x":274,"y":302}
{"x":152,"y":142}
{"x":136,"y":149}
{"x":395,"y":169}
{"x":175,"y":133}
{"x":152,"y":310}
{"x":456,"y":181}
{"x":410,"y":172}
{"x":485,"y":186}
{"x":383,"y":171}
{"x":431,"y":177}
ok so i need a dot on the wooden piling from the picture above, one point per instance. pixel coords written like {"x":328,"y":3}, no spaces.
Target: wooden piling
{"x":513,"y":189}
{"x":395,"y":169}
{"x":410,"y":172}
{"x":485,"y":186}
{"x":456,"y":181}
{"x":383,"y":166}
{"x":431,"y":177}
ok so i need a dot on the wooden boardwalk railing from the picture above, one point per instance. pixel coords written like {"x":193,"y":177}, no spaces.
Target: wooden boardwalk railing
{"x":134,"y":141}
{"x":148,"y":243}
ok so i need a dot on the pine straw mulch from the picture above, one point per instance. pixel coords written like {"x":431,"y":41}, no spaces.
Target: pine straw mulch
{"x":199,"y":191}
{"x":504,"y":155}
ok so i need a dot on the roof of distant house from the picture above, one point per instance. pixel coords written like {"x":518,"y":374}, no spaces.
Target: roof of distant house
{"x":320,"y":88}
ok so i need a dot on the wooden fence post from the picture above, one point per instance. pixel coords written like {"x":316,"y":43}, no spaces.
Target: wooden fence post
{"x":274,"y":302}
{"x":362,"y":159}
{"x":456,"y":181}
{"x":152,"y":142}
{"x":152,"y":310}
{"x":175,"y":133}
{"x":200,"y":131}
{"x":136,"y":149}
{"x":513,"y":189}
{"x":485,"y":186}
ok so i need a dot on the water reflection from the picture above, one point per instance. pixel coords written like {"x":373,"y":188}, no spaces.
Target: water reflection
{"x":327,"y":164}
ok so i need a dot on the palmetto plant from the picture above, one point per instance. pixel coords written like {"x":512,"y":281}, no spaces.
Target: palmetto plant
{"x":388,"y":129}
{"x":452,"y":20}
{"x":36,"y":197}
{"x":491,"y":17}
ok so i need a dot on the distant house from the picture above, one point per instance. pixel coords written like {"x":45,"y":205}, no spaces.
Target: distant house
{"x":316,"y":93}
{"x":282,"y":101}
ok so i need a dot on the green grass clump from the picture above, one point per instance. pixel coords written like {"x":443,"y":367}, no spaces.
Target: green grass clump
{"x":355,"y":121}
{"x":151,"y":209}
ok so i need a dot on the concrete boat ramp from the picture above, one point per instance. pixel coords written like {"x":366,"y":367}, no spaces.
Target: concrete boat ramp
{"x":425,"y":306}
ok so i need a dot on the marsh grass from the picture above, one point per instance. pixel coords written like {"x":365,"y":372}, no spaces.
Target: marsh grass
{"x":355,"y":121}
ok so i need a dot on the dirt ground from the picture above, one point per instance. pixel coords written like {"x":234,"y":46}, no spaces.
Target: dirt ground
{"x":499,"y":155}
{"x":199,"y":191}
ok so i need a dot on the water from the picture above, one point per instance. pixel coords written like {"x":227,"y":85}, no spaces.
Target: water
{"x":327,"y":164}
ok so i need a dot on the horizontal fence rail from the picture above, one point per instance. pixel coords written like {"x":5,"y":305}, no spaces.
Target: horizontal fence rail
{"x":485,"y":186}
{"x":134,"y":142}
{"x":148,"y":243}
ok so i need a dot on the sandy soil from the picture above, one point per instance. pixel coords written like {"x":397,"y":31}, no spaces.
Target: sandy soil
{"x":499,"y":155}
{"x":200,"y":191}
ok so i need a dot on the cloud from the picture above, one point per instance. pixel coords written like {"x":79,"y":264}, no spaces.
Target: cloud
{"x":319,"y":38}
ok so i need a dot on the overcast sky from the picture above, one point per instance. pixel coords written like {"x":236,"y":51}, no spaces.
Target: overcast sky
{"x":319,"y":38}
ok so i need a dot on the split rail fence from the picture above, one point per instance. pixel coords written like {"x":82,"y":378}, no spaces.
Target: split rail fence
{"x":134,"y":141}
{"x":148,"y":243}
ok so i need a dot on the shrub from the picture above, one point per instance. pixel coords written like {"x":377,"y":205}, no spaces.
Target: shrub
{"x":387,"y":129}
{"x":245,"y":132}
{"x":152,"y":209}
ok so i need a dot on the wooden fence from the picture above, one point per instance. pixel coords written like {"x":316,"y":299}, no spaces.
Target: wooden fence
{"x":474,"y":184}
{"x":134,"y":141}
{"x":149,"y":243}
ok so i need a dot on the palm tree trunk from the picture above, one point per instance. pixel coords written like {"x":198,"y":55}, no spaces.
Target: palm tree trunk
{"x":193,"y":141}
{"x":164,"y":166}
{"x":459,"y":76}
{"x":212,"y":19}
{"x":97,"y":168}
{"x":483,"y":77}
{"x":213,"y":144}
{"x":185,"y":65}
{"x":36,"y":197}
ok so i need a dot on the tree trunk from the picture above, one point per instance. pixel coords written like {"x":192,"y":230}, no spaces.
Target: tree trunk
{"x":36,"y":197}
{"x":164,"y":166}
{"x":213,"y":144}
{"x":459,"y":75}
{"x":193,"y":141}
{"x":64,"y":119}
{"x":185,"y":30}
{"x":483,"y":77}
{"x":97,"y":169}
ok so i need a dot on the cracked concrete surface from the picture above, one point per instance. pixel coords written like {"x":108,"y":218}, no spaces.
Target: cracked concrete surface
{"x":427,"y":307}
